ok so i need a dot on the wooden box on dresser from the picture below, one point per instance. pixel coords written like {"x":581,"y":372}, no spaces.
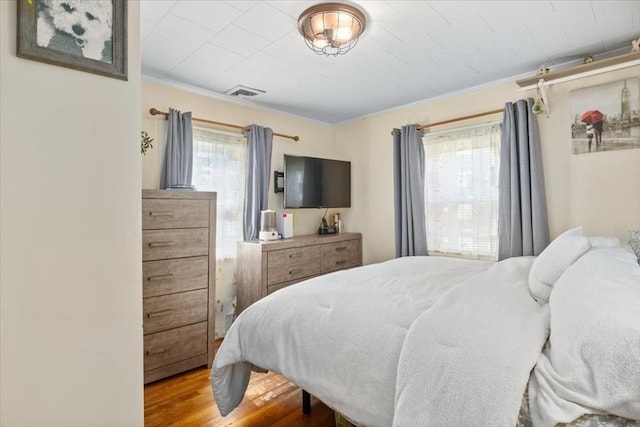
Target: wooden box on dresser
{"x":178,"y":280}
{"x":266,"y":266}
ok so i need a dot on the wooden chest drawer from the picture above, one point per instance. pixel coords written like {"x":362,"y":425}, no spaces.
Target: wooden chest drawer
{"x":174,"y":275}
{"x":340,"y":255}
{"x":171,"y":311}
{"x":167,"y":213}
{"x":290,"y":264}
{"x":174,"y":345}
{"x":179,"y":243}
{"x":293,"y":257}
{"x":265,"y":267}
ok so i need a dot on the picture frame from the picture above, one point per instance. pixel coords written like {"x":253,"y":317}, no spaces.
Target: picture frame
{"x":605,"y":117}
{"x":85,"y":35}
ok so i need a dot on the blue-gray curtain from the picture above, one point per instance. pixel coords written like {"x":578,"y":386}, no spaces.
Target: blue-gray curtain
{"x":408,"y":176}
{"x":177,"y":166}
{"x":259,"y":144}
{"x":523,"y":226}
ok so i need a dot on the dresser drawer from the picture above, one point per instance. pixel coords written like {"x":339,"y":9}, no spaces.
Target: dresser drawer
{"x":293,"y":257}
{"x":174,"y":275}
{"x":290,"y":264}
{"x":171,"y":311}
{"x":340,"y":255}
{"x":180,"y":243}
{"x":166,"y":213}
{"x":174,"y":345}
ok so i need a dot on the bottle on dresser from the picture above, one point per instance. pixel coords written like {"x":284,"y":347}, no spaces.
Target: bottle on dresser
{"x":337,"y":222}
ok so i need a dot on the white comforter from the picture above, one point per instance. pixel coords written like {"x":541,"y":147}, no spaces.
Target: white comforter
{"x":415,"y":341}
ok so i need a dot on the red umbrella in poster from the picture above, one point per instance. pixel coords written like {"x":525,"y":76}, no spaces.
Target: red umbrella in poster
{"x":591,"y":116}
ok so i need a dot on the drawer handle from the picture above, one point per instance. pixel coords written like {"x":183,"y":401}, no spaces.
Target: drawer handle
{"x":341,"y":248}
{"x":161,"y":213}
{"x":296,"y":271}
{"x":341,"y":262}
{"x":160,"y":244}
{"x":158,"y":313}
{"x":296,"y":255}
{"x":161,"y":277}
{"x":160,"y":351}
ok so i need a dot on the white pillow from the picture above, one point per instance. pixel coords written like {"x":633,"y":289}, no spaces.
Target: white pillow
{"x":604,"y":242}
{"x":554,"y":260}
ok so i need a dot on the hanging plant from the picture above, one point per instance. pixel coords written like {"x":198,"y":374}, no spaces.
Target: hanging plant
{"x":145,"y":142}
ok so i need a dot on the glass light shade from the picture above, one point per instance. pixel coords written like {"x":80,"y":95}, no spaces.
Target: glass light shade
{"x":343,"y":34}
{"x":320,"y":43}
{"x":331,"y":28}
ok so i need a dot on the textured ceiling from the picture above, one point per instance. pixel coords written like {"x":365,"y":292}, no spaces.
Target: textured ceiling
{"x":410,"y":51}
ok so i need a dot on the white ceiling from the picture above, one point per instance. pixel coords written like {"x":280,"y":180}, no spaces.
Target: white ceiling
{"x":410,"y":51}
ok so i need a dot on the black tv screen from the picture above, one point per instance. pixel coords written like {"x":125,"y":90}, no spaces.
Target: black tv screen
{"x":311,"y":182}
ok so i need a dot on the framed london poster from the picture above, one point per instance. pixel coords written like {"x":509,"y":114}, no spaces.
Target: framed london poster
{"x":606,"y":117}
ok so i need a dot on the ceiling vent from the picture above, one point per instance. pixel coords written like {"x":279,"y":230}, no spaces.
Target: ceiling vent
{"x":244,"y":92}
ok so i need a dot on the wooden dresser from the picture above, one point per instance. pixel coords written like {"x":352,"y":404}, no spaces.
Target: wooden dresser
{"x":178,"y":280}
{"x":265,"y":267}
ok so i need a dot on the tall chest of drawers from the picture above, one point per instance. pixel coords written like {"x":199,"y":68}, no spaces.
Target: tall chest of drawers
{"x":178,"y":281}
{"x":265,"y":267}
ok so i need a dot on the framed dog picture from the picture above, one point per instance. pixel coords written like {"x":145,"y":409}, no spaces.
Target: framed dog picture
{"x":86,"y":35}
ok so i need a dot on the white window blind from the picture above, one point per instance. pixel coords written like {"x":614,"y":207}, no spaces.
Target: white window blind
{"x":219,"y":165}
{"x":461,"y":191}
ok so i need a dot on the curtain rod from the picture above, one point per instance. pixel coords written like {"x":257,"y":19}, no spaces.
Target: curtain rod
{"x":155,"y":112}
{"x":459,"y":119}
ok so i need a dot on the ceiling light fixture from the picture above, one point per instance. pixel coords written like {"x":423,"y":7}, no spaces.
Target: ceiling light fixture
{"x":331,"y":28}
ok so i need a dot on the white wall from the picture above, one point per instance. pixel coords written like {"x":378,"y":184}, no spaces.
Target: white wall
{"x":70,"y":253}
{"x":600,"y":191}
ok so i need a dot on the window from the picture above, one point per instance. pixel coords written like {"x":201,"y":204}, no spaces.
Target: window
{"x":461,"y":191}
{"x":219,"y":165}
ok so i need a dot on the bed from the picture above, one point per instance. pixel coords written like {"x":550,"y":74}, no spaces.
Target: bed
{"x":435,"y":341}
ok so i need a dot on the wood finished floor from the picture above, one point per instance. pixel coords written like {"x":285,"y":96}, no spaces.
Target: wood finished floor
{"x":270,"y":400}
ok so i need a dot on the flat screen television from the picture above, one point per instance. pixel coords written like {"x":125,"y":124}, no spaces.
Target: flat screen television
{"x":310,"y":182}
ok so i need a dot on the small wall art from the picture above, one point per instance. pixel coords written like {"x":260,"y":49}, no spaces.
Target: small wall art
{"x":86,"y":35}
{"x":606,"y":117}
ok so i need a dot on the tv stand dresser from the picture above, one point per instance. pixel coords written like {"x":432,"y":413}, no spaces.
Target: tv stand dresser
{"x":263,"y":267}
